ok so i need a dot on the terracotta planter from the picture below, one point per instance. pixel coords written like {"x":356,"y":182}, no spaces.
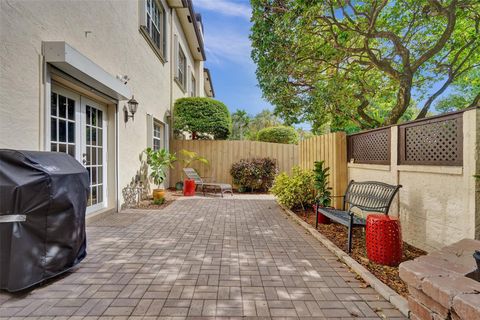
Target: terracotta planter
{"x":321,"y":218}
{"x":158,"y":194}
{"x":189,"y":187}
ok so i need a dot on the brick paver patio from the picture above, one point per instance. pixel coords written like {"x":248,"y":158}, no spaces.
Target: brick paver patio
{"x":202,"y":258}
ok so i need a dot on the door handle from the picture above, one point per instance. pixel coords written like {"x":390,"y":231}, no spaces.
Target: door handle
{"x":84,"y":159}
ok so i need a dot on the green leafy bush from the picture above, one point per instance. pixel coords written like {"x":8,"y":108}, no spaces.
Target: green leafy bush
{"x":159,"y":162}
{"x":279,"y":134}
{"x":204,"y":118}
{"x":321,"y":183}
{"x":255,"y":174}
{"x":297,"y":190}
{"x":158,"y":202}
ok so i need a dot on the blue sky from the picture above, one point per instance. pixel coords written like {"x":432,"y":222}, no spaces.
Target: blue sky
{"x":227,"y":26}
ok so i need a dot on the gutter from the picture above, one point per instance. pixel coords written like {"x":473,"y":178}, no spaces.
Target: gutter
{"x":193,"y":17}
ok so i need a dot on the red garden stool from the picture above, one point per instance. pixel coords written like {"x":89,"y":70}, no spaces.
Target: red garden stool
{"x":189,"y":187}
{"x":384,"y":239}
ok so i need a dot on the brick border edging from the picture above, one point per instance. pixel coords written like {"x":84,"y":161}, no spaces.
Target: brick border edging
{"x":385,"y":291}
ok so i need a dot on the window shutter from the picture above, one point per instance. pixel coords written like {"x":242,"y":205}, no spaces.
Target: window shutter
{"x":149,"y":131}
{"x":142,"y":15}
{"x":175,"y":54}
{"x":165,"y":34}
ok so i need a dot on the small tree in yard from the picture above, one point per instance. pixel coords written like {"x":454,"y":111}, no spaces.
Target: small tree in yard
{"x":279,"y":134}
{"x":323,"y":196}
{"x":203,"y":118}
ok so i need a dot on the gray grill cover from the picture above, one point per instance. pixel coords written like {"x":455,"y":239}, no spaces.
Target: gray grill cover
{"x":43,"y":198}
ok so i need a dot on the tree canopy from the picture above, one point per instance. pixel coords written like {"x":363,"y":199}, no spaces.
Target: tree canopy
{"x":362,"y":63}
{"x":240,"y":122}
{"x":203,"y":118}
{"x":278,"y":134}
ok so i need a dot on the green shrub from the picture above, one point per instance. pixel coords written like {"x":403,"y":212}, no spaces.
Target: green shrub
{"x":159,"y":162}
{"x":279,"y":134}
{"x":204,"y":118}
{"x":256,"y":174}
{"x":321,"y":183}
{"x":158,"y":202}
{"x":297,"y":190}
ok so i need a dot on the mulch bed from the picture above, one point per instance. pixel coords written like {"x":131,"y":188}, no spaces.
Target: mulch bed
{"x":170,"y":197}
{"x":338,"y":235}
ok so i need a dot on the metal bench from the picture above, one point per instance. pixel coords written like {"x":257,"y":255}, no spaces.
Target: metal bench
{"x":371,"y":196}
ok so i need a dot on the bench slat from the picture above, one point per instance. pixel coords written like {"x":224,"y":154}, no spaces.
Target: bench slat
{"x":342,"y":217}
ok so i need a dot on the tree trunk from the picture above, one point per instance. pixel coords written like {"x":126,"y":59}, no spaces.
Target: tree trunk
{"x":404,"y":95}
{"x":194,"y":135}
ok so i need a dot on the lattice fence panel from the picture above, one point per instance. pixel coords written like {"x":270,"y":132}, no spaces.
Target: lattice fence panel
{"x":371,"y":147}
{"x":434,"y":142}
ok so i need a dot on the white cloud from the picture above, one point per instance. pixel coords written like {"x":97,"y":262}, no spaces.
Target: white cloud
{"x":229,"y":46}
{"x":225,"y":7}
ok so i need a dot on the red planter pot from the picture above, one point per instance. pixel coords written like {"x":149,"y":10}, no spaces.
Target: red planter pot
{"x":189,"y":187}
{"x":321,"y":218}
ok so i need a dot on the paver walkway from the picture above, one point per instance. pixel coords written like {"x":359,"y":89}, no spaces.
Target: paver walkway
{"x":202,"y":258}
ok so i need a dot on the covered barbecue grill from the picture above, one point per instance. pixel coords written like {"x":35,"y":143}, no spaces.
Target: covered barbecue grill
{"x":43,"y":198}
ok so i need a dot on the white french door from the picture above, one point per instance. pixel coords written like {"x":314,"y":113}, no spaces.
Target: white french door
{"x":78,"y":126}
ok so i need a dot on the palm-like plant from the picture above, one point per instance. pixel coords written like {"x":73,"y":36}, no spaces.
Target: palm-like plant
{"x":159,"y":161}
{"x":188,"y":157}
{"x":321,"y":184}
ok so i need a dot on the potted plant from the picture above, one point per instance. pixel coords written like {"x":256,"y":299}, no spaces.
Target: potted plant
{"x":188,"y":157}
{"x":323,"y":194}
{"x":159,"y":162}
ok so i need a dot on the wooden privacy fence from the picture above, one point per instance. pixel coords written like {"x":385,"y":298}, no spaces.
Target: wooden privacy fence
{"x":223,"y":153}
{"x":332,"y":148}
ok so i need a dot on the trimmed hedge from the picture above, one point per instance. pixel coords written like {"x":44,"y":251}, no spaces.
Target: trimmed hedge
{"x":204,"y":118}
{"x":279,"y":134}
{"x":255,"y":174}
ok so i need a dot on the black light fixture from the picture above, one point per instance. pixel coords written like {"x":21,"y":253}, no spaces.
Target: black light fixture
{"x":132,"y":108}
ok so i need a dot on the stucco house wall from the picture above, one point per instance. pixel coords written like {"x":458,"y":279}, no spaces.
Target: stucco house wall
{"x":437,"y":205}
{"x":107,"y":33}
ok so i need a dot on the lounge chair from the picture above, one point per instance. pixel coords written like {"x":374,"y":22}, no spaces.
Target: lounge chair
{"x":204,"y":186}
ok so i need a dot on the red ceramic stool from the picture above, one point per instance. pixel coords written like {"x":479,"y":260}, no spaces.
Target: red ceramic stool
{"x":384,"y":239}
{"x":189,"y":187}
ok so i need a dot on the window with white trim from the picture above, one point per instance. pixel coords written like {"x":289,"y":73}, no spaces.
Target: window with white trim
{"x":193,"y":86}
{"x":155,"y":25}
{"x":181,"y":67}
{"x":158,"y":135}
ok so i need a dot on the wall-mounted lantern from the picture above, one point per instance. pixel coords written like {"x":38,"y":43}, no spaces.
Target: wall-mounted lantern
{"x":132,"y":108}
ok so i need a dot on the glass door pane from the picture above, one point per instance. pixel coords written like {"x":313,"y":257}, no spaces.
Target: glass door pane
{"x":94,"y":152}
{"x":63,"y":123}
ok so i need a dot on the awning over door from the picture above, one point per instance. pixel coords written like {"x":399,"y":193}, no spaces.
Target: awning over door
{"x":67,"y":59}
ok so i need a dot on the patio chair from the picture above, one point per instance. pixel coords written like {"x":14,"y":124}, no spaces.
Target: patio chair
{"x":204,"y":186}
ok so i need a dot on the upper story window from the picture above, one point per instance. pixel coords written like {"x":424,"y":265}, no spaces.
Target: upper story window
{"x":181,"y":67}
{"x":193,"y":86}
{"x":154,"y":26}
